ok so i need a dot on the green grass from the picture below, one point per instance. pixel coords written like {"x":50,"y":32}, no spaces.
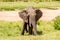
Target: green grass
{"x":22,"y":5}
{"x":45,"y":27}
{"x":14,"y":28}
{"x":12,"y":31}
{"x":50,"y":36}
{"x":10,"y":28}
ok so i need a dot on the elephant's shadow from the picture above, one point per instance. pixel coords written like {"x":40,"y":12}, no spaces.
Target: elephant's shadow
{"x":39,"y":32}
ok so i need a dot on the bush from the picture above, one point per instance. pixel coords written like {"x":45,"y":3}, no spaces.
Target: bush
{"x":57,"y":23}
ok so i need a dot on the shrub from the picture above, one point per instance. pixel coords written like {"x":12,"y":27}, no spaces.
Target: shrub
{"x":57,"y":23}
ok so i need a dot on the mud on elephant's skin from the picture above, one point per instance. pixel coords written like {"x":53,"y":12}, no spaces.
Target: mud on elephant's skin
{"x":30,"y":16}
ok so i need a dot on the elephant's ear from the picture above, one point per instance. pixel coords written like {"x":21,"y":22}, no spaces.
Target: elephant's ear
{"x":23,"y":15}
{"x":38,"y":14}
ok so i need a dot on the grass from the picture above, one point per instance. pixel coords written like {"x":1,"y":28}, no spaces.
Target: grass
{"x":50,"y":36}
{"x":22,"y":5}
{"x":12,"y":30}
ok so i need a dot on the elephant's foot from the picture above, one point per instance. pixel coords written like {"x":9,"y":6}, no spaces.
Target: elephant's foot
{"x":35,"y":33}
{"x":22,"y":33}
{"x":30,"y":33}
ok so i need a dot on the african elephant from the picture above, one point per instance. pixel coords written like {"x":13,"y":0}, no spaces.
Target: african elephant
{"x":30,"y":16}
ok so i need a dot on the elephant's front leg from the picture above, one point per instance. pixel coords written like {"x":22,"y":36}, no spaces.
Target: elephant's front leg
{"x":34,"y":28}
{"x":24,"y":28}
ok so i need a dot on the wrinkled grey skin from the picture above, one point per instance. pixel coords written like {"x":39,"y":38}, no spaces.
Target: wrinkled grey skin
{"x":30,"y":16}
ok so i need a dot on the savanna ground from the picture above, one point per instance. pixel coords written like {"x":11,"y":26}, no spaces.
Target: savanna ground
{"x":47,"y":30}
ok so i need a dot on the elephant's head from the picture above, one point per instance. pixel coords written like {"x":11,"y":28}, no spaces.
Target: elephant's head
{"x":29,"y":12}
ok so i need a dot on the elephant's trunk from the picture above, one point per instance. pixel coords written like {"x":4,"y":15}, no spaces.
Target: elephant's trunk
{"x":32,"y":22}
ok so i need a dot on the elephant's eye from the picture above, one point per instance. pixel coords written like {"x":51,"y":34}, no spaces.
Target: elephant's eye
{"x":24,"y":11}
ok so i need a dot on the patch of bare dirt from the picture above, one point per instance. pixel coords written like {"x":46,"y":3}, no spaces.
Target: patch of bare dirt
{"x":48,"y":15}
